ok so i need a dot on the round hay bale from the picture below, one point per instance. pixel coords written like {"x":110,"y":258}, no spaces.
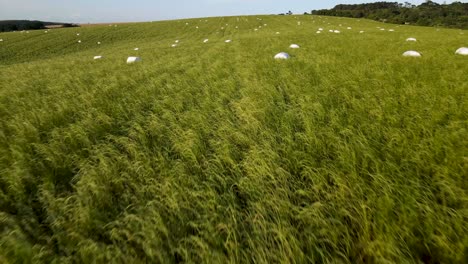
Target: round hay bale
{"x":462,"y":51}
{"x":411,"y":53}
{"x":133,"y":60}
{"x":282,"y":56}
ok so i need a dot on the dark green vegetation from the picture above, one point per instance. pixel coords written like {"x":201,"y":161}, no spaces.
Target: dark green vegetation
{"x":18,"y":25}
{"x":216,"y":153}
{"x":427,"y":14}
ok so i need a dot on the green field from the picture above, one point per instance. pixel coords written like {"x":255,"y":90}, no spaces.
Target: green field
{"x":217,"y":153}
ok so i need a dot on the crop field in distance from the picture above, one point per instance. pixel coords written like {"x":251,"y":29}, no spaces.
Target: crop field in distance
{"x":214,"y":152}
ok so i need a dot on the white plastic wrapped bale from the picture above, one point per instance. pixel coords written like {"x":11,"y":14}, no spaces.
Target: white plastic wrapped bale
{"x":174,"y":45}
{"x":318,"y":32}
{"x":277,"y":33}
{"x":1,"y":40}
{"x":411,"y":40}
{"x":177,"y":41}
{"x":331,"y":30}
{"x":462,"y":51}
{"x":99,"y":43}
{"x":411,"y":53}
{"x":136,"y":49}
{"x":206,"y":40}
{"x":337,"y":31}
{"x":391,"y":30}
{"x":320,"y":29}
{"x":294,"y":46}
{"x":228,"y":41}
{"x":97,"y":57}
{"x":79,"y":41}
{"x":133,"y":60}
{"x":362,"y":31}
{"x":282,"y":56}
{"x":349,"y":28}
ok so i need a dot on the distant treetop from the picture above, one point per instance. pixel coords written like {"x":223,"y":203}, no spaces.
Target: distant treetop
{"x":427,"y":14}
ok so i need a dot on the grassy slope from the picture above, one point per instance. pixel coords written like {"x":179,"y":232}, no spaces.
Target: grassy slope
{"x":214,"y":153}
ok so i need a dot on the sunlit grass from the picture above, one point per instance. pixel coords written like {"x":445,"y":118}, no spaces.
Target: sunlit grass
{"x":216,"y":153}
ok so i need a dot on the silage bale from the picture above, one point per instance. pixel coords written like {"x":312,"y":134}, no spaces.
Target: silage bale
{"x":228,"y":41}
{"x":133,"y":60}
{"x":97,"y":57}
{"x":205,"y":41}
{"x":136,"y":49}
{"x":282,"y":56}
{"x":462,"y":51}
{"x":337,"y":31}
{"x":294,"y":46}
{"x":411,"y":40}
{"x":174,"y":45}
{"x":411,"y":53}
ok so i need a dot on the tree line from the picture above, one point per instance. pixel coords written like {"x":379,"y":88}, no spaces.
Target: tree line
{"x":427,"y":14}
{"x":18,"y":25}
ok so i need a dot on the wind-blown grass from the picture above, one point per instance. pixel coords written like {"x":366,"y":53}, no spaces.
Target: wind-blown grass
{"x":216,"y":153}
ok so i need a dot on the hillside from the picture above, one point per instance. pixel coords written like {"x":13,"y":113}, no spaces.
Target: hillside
{"x":216,"y":153}
{"x":426,"y":14}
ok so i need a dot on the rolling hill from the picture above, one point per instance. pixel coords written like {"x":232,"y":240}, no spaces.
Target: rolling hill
{"x":214,"y":152}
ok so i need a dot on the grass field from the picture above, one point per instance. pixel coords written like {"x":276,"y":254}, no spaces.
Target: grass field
{"x":216,"y":153}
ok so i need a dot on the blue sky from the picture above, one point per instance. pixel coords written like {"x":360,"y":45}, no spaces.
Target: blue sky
{"x":94,"y":11}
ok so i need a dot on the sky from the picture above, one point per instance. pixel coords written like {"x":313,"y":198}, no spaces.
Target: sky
{"x":99,"y":11}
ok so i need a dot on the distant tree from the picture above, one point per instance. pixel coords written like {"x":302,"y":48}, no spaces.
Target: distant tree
{"x":428,"y":13}
{"x":290,"y":13}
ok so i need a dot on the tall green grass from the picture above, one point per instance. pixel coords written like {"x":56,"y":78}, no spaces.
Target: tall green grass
{"x":216,"y":153}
